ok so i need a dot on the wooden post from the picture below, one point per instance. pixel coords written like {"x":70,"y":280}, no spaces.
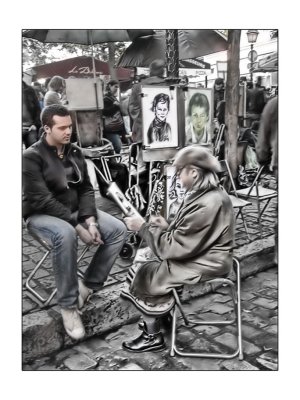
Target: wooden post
{"x":232,"y":98}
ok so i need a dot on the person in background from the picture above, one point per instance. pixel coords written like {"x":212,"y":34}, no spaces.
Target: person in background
{"x":197,"y":129}
{"x":267,"y":146}
{"x":156,"y":71}
{"x":219,"y":93}
{"x":196,"y":245}
{"x":55,"y":93}
{"x":255,"y":101}
{"x":31,"y":111}
{"x":58,"y":206}
{"x":39,"y":92}
{"x":111,"y":110}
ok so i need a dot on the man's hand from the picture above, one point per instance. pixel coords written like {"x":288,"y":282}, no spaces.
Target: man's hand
{"x":84,"y":234}
{"x":159,"y":221}
{"x":95,"y":234}
{"x":134,"y":223}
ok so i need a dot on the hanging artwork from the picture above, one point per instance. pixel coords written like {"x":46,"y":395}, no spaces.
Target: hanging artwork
{"x":198,"y":116}
{"x":159,"y":109}
{"x":174,"y":193}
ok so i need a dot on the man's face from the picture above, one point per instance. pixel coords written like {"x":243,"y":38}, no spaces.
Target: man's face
{"x":186,"y":177}
{"x":161,"y":110}
{"x":61,"y":131}
{"x":199,"y":118}
{"x":218,"y":86}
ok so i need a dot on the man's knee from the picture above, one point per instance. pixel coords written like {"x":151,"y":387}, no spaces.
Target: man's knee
{"x":66,"y":234}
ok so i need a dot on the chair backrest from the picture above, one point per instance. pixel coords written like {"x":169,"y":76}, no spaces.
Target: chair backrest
{"x":219,"y":137}
{"x":88,"y":128}
{"x":226,"y":172}
{"x":241,"y":151}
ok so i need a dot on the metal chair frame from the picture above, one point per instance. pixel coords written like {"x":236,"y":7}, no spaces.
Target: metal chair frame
{"x":38,"y":296}
{"x":254,"y":194}
{"x":219,"y":137}
{"x":237,"y":202}
{"x":236,"y":298}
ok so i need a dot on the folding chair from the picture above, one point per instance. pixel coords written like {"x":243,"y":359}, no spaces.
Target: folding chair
{"x":46,"y":300}
{"x":235,"y":292}
{"x":258,"y":193}
{"x":237,"y":203}
{"x":219,"y":138}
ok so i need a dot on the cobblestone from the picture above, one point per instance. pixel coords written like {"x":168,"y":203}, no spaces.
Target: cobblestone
{"x":104,"y":351}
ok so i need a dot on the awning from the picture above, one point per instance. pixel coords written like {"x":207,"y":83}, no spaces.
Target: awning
{"x":79,"y":67}
{"x":268,"y":63}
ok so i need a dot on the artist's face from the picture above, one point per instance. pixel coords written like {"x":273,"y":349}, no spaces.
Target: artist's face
{"x":199,"y":118}
{"x":187,"y":176}
{"x":161,"y":110}
{"x":61,"y":131}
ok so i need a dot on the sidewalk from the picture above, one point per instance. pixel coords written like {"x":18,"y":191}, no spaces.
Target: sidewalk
{"x":43,"y":332}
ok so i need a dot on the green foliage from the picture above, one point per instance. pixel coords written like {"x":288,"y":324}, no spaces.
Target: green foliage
{"x":38,"y":53}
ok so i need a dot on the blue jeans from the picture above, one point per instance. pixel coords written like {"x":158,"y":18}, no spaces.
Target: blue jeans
{"x":63,"y":238}
{"x":115,"y":139}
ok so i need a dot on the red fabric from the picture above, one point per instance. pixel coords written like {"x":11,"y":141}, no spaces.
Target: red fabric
{"x":79,"y":67}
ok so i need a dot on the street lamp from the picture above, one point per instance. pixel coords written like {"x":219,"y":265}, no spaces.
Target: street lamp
{"x":252,"y":37}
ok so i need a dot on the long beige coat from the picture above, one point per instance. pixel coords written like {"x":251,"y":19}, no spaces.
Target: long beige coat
{"x":197,"y":245}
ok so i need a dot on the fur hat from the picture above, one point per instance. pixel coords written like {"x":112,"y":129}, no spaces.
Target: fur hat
{"x":197,"y":156}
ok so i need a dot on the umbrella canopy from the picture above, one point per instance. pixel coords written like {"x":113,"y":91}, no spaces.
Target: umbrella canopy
{"x":85,"y":36}
{"x":79,"y":67}
{"x":192,"y":44}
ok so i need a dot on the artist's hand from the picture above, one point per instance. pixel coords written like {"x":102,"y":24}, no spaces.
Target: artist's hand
{"x":96,"y":236}
{"x":158,"y":221}
{"x":134,"y":223}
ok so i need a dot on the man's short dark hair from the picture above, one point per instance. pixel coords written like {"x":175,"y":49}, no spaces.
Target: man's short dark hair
{"x":198,"y":100}
{"x":50,"y":111}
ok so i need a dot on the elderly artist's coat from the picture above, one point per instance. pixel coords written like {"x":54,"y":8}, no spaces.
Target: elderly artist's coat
{"x":197,"y":245}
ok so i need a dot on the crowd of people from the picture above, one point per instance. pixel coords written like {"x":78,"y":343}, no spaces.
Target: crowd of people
{"x":195,"y":243}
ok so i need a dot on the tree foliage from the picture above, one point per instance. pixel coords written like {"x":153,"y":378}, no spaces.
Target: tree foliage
{"x":38,"y":53}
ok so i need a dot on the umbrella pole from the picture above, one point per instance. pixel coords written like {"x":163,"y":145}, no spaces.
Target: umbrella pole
{"x":172,"y":55}
{"x":94,"y":74}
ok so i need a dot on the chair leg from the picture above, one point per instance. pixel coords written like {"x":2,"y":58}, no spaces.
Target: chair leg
{"x":245,"y":225}
{"x":46,"y":301}
{"x":173,"y":336}
{"x":237,"y":307}
{"x":239,"y":310}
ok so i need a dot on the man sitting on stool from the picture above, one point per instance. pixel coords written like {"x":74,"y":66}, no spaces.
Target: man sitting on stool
{"x":197,"y":245}
{"x":59,"y":205}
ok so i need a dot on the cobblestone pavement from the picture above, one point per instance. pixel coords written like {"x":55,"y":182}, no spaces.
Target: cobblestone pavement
{"x":259,"y":305}
{"x":259,"y":326}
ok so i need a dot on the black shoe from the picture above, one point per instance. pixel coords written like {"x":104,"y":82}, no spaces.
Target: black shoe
{"x":146,"y":342}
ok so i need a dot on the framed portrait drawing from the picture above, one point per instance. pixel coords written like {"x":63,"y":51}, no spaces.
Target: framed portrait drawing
{"x":159,"y":110}
{"x":198,"y":116}
{"x":174,"y":193}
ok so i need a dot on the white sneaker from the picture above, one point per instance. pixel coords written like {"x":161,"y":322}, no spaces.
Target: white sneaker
{"x":72,"y":323}
{"x":84,"y":293}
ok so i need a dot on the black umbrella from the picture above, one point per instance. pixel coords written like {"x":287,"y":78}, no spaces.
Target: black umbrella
{"x":85,"y":36}
{"x":192,"y":44}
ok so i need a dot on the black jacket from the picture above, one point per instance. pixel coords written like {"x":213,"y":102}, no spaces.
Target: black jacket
{"x":32,"y":103}
{"x":45,"y":186}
